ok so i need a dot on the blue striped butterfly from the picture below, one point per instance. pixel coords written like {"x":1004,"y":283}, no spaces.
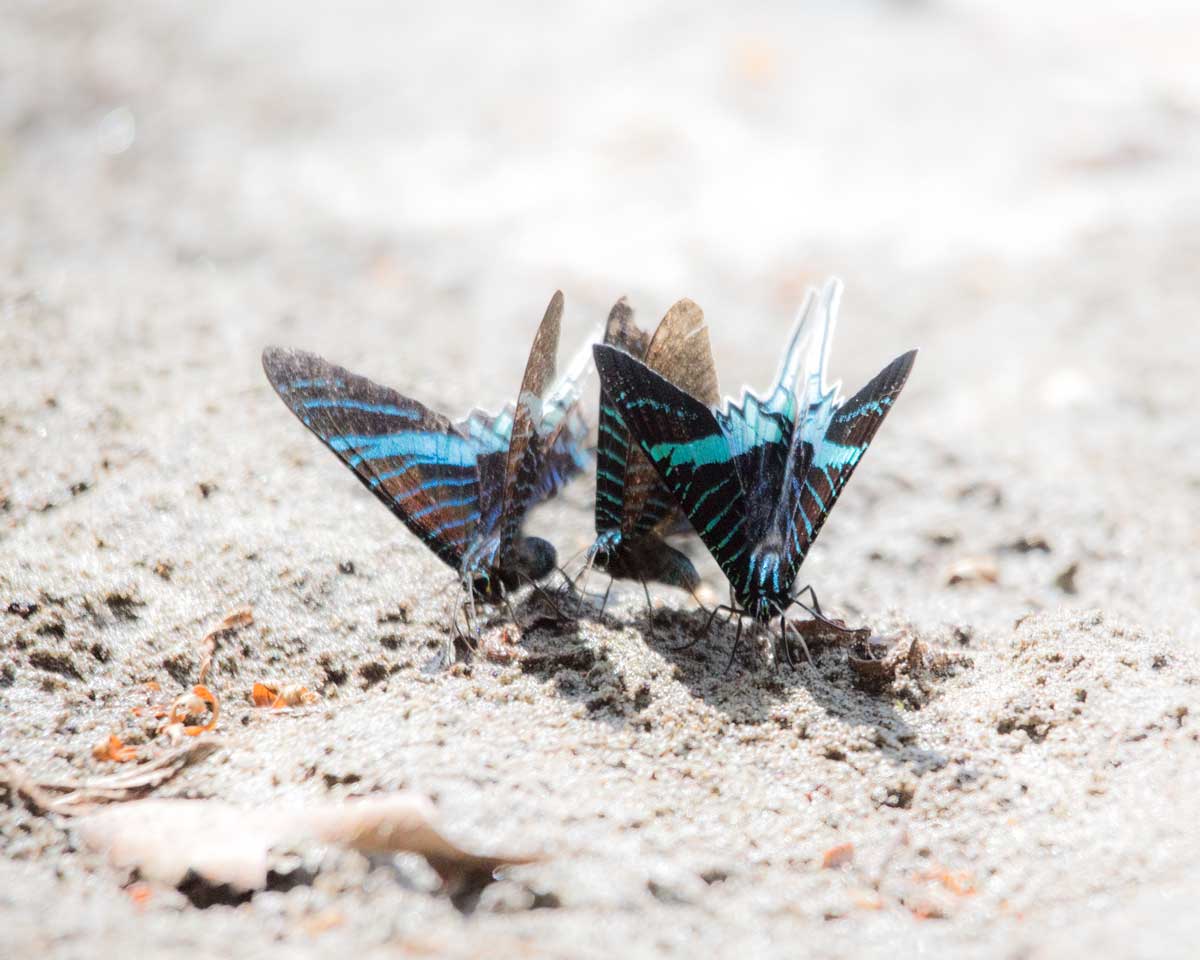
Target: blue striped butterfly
{"x":758,"y":478}
{"x":634,"y":511}
{"x":463,"y":488}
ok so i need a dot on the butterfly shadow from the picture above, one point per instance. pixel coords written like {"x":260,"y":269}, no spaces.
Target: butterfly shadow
{"x":560,"y":649}
{"x":750,"y":690}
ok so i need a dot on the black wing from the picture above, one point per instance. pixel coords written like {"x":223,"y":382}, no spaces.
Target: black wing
{"x":685,"y":443}
{"x":821,"y":470}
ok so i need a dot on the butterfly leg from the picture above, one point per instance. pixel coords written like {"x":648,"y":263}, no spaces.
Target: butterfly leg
{"x":737,"y":642}
{"x":783,"y":643}
{"x":649,"y":605}
{"x":512,"y":614}
{"x":698,"y":601}
{"x":816,"y":614}
{"x":712,"y":616}
{"x":583,"y":575}
{"x":607,"y":591}
{"x":545,"y":595}
{"x":816,"y":604}
{"x":804,"y":647}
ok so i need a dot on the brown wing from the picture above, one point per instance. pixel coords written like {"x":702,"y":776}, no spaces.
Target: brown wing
{"x":527,"y":419}
{"x":681,"y":352}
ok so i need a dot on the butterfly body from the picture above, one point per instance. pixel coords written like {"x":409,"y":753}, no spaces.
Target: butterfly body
{"x":649,"y":559}
{"x":634,"y":511}
{"x":462,"y":488}
{"x":758,"y":478}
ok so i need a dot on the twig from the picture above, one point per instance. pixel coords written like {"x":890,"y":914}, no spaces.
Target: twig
{"x":235,"y":620}
{"x":81,"y":796}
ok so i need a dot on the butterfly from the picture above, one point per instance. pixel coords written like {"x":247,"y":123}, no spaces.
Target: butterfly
{"x":463,"y":488}
{"x":758,"y":478}
{"x":634,"y":511}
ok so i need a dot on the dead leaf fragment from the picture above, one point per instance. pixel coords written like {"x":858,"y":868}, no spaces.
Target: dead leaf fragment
{"x":197,"y":711}
{"x":973,"y":570}
{"x":322,"y":922}
{"x":114,"y":750}
{"x":838,"y":856}
{"x":1065,"y":581}
{"x":502,"y":645}
{"x":958,"y":882}
{"x":140,"y":893}
{"x":167,"y":840}
{"x":279,"y":697}
{"x":234,"y":621}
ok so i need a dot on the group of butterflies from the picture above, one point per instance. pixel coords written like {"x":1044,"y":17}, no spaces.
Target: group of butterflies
{"x":755,"y":479}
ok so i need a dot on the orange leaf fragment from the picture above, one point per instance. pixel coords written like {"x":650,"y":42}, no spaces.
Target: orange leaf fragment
{"x":838,"y":856}
{"x":196,"y":711}
{"x":113,"y":749}
{"x":323,"y":921}
{"x":140,"y":893}
{"x":262,"y":695}
{"x":279,"y":697}
{"x":957,"y":882}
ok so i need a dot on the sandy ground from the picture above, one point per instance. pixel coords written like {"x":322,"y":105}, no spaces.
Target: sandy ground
{"x":402,"y":192}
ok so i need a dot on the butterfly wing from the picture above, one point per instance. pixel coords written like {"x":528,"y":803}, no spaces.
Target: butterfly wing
{"x":822,"y":469}
{"x":412,"y":458}
{"x":681,"y":352}
{"x":613,"y":448}
{"x":521,"y":472}
{"x":683,"y":440}
{"x":559,"y":451}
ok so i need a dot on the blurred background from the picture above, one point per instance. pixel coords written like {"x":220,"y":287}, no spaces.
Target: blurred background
{"x":1012,"y":188}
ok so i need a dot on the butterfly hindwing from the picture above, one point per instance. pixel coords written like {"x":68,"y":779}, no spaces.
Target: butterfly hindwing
{"x":412,"y":458}
{"x":680,"y":351}
{"x":612,"y":441}
{"x":824,"y":468}
{"x":682,"y":438}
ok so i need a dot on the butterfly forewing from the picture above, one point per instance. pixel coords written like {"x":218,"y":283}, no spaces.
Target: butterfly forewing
{"x":410,"y":457}
{"x":825,"y":467}
{"x":685,"y":443}
{"x":521,"y":472}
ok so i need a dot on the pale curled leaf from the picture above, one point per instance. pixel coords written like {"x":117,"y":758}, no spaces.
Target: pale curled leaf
{"x":165,"y":840}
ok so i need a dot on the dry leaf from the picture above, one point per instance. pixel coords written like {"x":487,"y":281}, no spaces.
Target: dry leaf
{"x":957,"y":882}
{"x":501,"y":645}
{"x":322,"y":922}
{"x":973,"y":570}
{"x":114,"y":750}
{"x":196,"y":711}
{"x":279,"y":697}
{"x":168,"y":840}
{"x":838,"y":856}
{"x":234,"y":621}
